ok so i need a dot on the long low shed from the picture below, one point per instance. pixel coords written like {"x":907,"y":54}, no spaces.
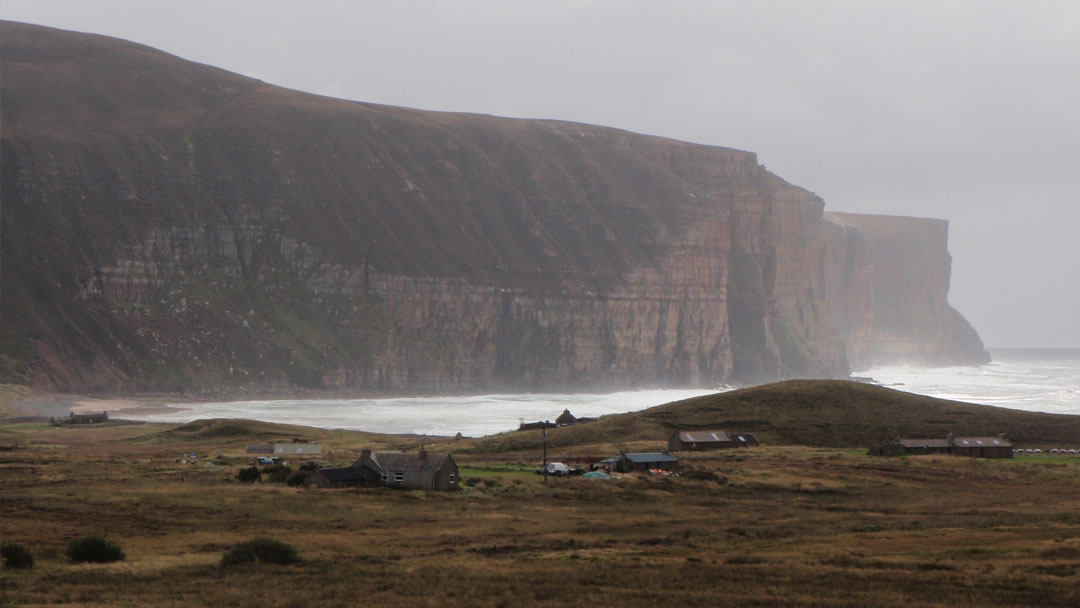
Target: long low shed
{"x":976,"y":447}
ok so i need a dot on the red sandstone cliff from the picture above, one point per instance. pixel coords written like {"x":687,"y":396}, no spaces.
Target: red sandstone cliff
{"x":167,"y":225}
{"x":907,"y":264}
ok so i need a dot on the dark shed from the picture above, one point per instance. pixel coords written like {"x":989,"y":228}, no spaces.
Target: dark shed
{"x":341,"y":477}
{"x":709,"y":440}
{"x":978,"y":447}
{"x":643,"y":461}
{"x":982,"y":447}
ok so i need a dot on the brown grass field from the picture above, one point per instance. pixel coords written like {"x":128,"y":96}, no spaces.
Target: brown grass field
{"x":778,"y":525}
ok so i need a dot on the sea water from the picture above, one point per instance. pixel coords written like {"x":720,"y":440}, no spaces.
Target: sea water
{"x":1032,"y":379}
{"x":1041,"y":380}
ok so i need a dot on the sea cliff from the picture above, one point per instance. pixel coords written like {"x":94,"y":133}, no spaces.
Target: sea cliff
{"x":169,"y":226}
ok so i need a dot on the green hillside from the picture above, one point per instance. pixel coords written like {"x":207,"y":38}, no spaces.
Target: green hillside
{"x":827,"y":413}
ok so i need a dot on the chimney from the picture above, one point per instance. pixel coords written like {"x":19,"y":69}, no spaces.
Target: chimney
{"x":365,"y":455}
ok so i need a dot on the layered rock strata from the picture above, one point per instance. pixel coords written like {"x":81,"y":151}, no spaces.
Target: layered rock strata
{"x":909,"y":265}
{"x":169,"y":226}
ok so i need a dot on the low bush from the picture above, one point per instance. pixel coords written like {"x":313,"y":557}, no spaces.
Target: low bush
{"x":297,"y":478}
{"x":277,"y":473}
{"x":94,"y":549}
{"x":16,"y":556}
{"x":261,"y":549}
{"x":249,"y":475}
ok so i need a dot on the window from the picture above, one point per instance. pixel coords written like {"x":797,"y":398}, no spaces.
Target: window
{"x":383,"y":477}
{"x":399,"y":477}
{"x":453,"y":478}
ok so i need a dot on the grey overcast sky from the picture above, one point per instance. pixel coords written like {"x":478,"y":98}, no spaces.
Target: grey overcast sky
{"x":962,"y":110}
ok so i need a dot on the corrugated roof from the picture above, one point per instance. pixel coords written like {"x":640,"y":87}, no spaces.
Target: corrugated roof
{"x":981,"y":442}
{"x":410,"y":462}
{"x":704,"y":436}
{"x":651,"y":457}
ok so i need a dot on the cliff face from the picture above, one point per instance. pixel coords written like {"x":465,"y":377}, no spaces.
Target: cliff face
{"x":168,"y":226}
{"x":911,"y":320}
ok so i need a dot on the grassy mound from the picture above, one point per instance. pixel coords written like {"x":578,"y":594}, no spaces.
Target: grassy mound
{"x":826,"y":413}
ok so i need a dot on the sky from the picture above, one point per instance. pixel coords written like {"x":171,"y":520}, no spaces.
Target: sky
{"x":967,"y":111}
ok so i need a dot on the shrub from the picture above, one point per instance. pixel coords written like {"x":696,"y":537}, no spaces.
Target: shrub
{"x":94,"y":549}
{"x":262,"y":549}
{"x":16,"y":556}
{"x":249,"y":475}
{"x":297,"y":478}
{"x":277,"y":473}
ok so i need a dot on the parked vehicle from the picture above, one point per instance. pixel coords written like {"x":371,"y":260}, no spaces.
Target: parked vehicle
{"x":555,"y":468}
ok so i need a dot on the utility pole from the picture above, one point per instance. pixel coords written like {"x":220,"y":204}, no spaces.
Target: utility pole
{"x":544,"y":427}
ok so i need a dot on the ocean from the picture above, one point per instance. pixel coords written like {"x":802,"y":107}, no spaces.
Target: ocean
{"x":1041,"y":380}
{"x":1032,"y":379}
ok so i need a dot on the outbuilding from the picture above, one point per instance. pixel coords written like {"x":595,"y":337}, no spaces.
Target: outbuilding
{"x":982,"y":447}
{"x":709,"y":440}
{"x":643,"y":461}
{"x":341,"y":477}
{"x":297,"y":449}
{"x":977,"y":447}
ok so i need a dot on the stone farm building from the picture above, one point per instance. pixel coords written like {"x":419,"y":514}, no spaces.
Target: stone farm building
{"x":420,"y":471}
{"x":708,"y":440}
{"x":978,"y":447}
{"x":281,"y":448}
{"x":297,"y":449}
{"x":644,"y":461}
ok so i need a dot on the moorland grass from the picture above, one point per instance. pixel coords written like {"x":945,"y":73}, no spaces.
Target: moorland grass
{"x":769,"y":526}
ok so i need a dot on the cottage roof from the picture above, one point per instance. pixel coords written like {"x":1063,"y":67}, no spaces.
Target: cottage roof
{"x":641,"y":457}
{"x":411,"y":462}
{"x":704,"y":436}
{"x":924,"y":443}
{"x":981,"y":442}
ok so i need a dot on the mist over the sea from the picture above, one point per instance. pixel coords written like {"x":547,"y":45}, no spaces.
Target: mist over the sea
{"x":1039,"y":380}
{"x":472,"y":416}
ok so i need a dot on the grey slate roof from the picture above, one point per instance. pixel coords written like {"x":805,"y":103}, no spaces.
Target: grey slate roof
{"x":704,"y":436}
{"x":640,"y":457}
{"x":408,"y":463}
{"x":924,"y":443}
